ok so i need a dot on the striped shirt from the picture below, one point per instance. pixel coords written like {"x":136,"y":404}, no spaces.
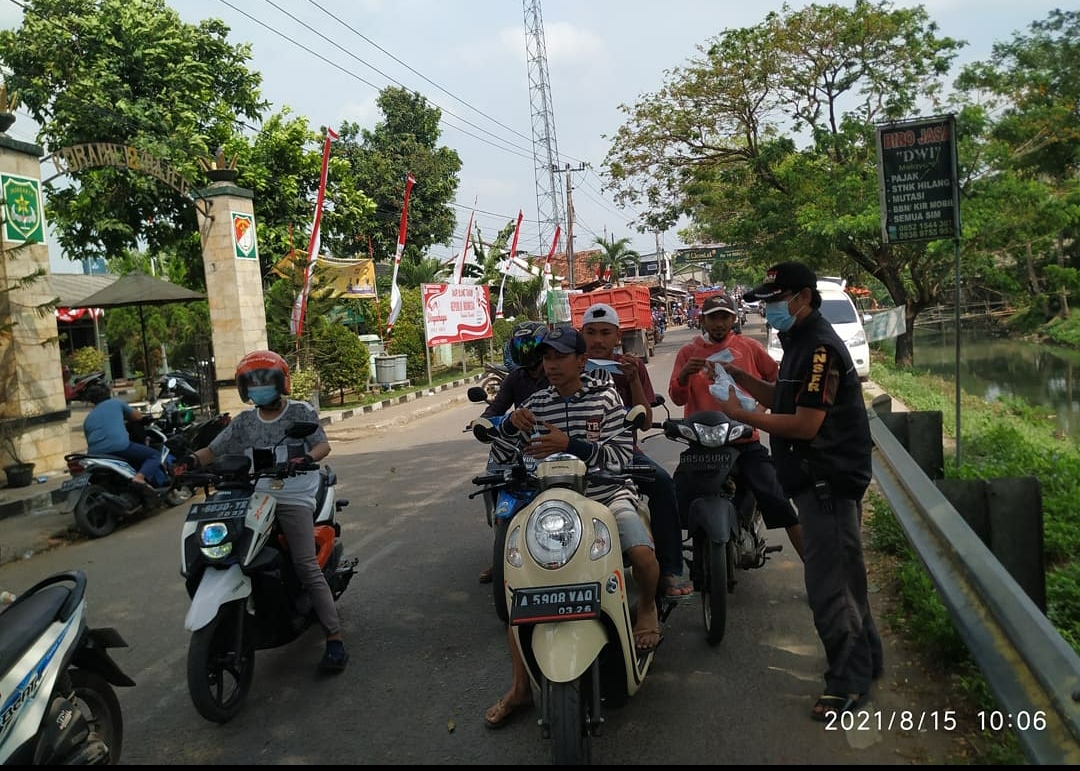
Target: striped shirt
{"x":593,"y":413}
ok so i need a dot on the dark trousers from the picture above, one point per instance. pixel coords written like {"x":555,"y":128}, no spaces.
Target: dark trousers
{"x":758,"y":470}
{"x":663,"y":517}
{"x":836,"y":590}
{"x":146,"y":460}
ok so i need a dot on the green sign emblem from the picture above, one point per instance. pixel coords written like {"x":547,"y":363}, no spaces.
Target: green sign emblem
{"x":245,"y":247}
{"x":23,"y":222}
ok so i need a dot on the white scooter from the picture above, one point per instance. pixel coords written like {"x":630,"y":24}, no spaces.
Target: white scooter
{"x":57,"y":703}
{"x":244,"y":592}
{"x":571,"y":597}
{"x":102,"y":491}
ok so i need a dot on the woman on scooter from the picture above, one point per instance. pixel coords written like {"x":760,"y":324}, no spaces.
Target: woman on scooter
{"x":574,"y":414}
{"x":107,"y":434}
{"x":262,"y":377}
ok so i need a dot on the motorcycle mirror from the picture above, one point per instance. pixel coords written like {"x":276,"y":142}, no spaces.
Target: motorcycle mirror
{"x":477,"y":394}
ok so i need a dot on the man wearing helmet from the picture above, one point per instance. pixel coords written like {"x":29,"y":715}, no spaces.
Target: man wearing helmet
{"x":525,"y":378}
{"x":262,"y":377}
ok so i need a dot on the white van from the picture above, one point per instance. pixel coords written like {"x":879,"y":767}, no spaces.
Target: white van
{"x":839,"y":310}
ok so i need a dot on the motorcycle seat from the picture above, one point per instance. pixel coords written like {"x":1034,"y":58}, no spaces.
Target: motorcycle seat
{"x":22,"y":623}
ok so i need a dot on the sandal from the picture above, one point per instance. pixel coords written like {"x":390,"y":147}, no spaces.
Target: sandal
{"x":640,"y":633}
{"x":830,"y":705}
{"x":487,"y":574}
{"x":676,"y":587}
{"x":503,"y":712}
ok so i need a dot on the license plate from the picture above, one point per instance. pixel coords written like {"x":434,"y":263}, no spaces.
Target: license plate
{"x":75,"y":483}
{"x":233,"y":507}
{"x":705,"y":461}
{"x":536,"y":605}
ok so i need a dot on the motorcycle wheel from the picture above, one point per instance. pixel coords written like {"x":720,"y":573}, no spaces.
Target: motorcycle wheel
{"x":92,"y":514}
{"x":98,"y":703}
{"x":714,"y":589}
{"x":571,"y":742}
{"x":218,"y":675}
{"x":491,"y":385}
{"x":498,"y":573}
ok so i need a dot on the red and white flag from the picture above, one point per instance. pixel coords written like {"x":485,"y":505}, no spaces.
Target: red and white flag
{"x":395,"y":293}
{"x":296,"y":321}
{"x":509,"y":263}
{"x":459,"y":266}
{"x":545,"y":286}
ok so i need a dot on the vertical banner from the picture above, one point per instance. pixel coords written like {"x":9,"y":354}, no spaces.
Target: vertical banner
{"x":509,"y":262}
{"x":545,"y":286}
{"x":395,"y":293}
{"x":455,"y":313}
{"x":459,"y":266}
{"x":300,"y":306}
{"x":24,"y":222}
{"x":917,"y":180}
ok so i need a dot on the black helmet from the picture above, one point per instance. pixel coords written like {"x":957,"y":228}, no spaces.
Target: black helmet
{"x":525,"y":341}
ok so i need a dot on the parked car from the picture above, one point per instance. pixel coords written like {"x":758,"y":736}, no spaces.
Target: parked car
{"x":839,"y":310}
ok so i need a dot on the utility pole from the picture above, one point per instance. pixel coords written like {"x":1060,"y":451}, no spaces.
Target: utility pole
{"x":569,"y":217}
{"x":663,"y":273}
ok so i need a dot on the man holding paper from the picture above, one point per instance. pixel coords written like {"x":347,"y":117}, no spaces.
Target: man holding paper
{"x":699,"y":369}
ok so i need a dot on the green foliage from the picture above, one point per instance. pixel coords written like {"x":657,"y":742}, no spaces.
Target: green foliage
{"x":341,"y":359}
{"x":304,"y":383}
{"x":86,"y":360}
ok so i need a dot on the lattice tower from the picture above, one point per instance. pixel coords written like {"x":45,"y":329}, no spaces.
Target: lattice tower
{"x":549,"y":198}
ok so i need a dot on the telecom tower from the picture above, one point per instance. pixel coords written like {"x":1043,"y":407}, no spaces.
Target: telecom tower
{"x":549,"y":207}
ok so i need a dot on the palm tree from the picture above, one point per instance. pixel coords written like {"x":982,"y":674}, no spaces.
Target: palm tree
{"x":615,"y":256}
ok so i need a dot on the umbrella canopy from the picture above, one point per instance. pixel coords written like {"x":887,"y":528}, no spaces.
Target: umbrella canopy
{"x":139,"y":289}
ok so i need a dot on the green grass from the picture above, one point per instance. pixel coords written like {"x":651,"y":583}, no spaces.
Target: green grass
{"x":354,"y":400}
{"x":1001,"y":439}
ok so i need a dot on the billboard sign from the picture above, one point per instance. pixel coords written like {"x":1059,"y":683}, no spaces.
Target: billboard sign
{"x":455,"y":313}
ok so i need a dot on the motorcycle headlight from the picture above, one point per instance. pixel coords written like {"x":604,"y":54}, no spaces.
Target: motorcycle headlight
{"x":213,"y":540}
{"x":711,"y":436}
{"x":601,"y":545}
{"x":553,"y":534}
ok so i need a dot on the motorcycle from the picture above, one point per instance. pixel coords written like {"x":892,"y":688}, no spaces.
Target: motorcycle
{"x":571,"y":597}
{"x":57,"y":703}
{"x":182,"y":386}
{"x":717,"y":509}
{"x":75,"y":388}
{"x":101,"y":491}
{"x":244,"y":592}
{"x":492,"y":378}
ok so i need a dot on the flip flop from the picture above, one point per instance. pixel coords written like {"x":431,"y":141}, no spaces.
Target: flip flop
{"x":676,"y":587}
{"x":829,"y":704}
{"x":647,"y":648}
{"x":504,"y":712}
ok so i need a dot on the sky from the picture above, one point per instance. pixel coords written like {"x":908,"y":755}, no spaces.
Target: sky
{"x":328,"y":59}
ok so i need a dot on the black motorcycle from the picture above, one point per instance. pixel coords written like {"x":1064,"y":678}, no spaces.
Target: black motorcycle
{"x":494,"y":375}
{"x":717,"y":509}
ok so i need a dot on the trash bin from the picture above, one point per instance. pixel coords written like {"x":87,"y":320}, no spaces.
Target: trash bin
{"x":375,"y":349}
{"x":390,"y":369}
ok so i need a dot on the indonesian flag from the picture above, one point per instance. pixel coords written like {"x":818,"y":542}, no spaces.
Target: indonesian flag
{"x":545,"y":285}
{"x":296,"y":321}
{"x":509,"y":262}
{"x":395,"y":293}
{"x":460,"y":264}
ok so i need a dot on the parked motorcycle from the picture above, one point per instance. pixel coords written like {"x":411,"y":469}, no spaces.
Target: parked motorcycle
{"x":57,"y":703}
{"x":101,"y":490}
{"x":186,"y":387}
{"x":75,"y":388}
{"x":571,"y":597}
{"x":245,"y":595}
{"x":492,"y":379}
{"x":717,"y":509}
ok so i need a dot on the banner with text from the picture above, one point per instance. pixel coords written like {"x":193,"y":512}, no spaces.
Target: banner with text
{"x":455,"y":313}
{"x":885,"y":325}
{"x":917,"y":180}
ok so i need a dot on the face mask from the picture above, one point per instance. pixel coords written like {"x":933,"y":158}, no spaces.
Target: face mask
{"x":263,"y":396}
{"x":778,"y":316}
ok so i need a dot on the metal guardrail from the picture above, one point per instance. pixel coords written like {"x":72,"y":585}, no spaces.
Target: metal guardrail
{"x":1033,"y":673}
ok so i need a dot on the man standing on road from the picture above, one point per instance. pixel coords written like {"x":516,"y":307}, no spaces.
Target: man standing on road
{"x":691,"y":378}
{"x":821,"y":446}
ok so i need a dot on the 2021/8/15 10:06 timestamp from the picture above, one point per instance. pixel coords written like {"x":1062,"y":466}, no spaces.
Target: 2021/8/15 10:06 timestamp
{"x":996,"y":720}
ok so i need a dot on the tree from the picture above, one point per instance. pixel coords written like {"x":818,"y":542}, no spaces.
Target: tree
{"x":128,"y":72}
{"x":767,"y":141}
{"x":341,"y":360}
{"x":615,"y":256}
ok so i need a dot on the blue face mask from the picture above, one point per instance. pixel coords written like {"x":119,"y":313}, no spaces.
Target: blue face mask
{"x":263,"y":396}
{"x":778,"y":316}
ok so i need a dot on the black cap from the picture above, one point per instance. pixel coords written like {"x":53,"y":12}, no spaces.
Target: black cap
{"x":719,"y":302}
{"x":563,"y":340}
{"x":783,"y":277}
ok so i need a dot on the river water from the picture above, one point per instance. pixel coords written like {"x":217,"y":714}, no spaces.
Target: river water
{"x":993,"y":367}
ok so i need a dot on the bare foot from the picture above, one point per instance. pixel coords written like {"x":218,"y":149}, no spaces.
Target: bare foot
{"x":647,"y":629}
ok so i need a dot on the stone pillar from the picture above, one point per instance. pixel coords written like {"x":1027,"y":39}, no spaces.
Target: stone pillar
{"x":33,"y":412}
{"x":233,"y":280}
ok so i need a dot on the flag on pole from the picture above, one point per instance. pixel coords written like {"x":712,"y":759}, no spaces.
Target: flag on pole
{"x":395,"y":293}
{"x":509,"y":262}
{"x":296,"y":321}
{"x":545,"y":286}
{"x":460,"y":264}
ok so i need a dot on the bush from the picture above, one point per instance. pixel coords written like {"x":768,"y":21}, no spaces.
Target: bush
{"x":304,"y":382}
{"x":86,"y":360}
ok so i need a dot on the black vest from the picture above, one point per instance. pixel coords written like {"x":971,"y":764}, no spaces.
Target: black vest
{"x":840,"y":453}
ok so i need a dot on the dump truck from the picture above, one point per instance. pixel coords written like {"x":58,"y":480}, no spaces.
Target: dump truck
{"x":633,"y":304}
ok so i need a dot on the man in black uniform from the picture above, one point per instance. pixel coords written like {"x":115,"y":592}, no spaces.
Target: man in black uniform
{"x":820,"y":440}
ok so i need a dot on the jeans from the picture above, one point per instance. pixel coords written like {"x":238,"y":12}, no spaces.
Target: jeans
{"x":663,"y":516}
{"x":146,"y":460}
